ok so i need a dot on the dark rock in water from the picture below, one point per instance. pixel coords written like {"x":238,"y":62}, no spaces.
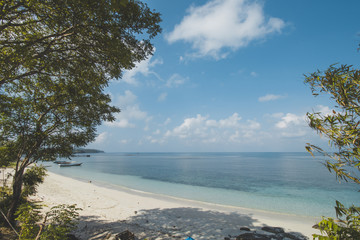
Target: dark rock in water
{"x":226,"y":238}
{"x":245,"y":229}
{"x":252,"y":236}
{"x":273,"y":229}
{"x":126,"y":235}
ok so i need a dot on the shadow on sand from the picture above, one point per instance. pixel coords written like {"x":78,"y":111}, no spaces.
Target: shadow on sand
{"x":172,"y":223}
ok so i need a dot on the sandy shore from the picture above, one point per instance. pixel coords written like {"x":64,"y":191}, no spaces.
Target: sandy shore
{"x":107,"y":211}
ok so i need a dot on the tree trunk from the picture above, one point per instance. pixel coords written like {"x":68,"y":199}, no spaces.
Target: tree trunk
{"x":16,"y":196}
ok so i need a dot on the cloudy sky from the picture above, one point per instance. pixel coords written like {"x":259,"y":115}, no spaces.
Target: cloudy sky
{"x":228,"y":75}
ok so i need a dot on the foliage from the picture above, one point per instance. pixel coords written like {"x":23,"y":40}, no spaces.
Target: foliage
{"x":32,"y":178}
{"x":343,"y":228}
{"x":57,"y":58}
{"x":5,"y":190}
{"x":5,"y":196}
{"x":341,"y":127}
{"x":7,"y":155}
{"x":28,"y":218}
{"x":56,"y":223}
{"x":46,"y":38}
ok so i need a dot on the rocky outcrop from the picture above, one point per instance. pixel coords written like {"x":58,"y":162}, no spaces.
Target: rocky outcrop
{"x":268,"y":233}
{"x":265,"y":233}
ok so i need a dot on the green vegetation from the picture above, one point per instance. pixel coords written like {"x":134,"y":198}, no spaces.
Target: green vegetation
{"x":31,"y":180}
{"x":342,"y":129}
{"x":87,"y":150}
{"x":57,"y":58}
{"x":55,"y":224}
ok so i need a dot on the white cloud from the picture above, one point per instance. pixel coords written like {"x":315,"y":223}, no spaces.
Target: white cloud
{"x":175,"y":80}
{"x":270,"y":97}
{"x":290,"y":119}
{"x":154,"y":140}
{"x":130,"y":112}
{"x":223,"y":24}
{"x":101,"y":137}
{"x":253,"y":125}
{"x":203,"y":129}
{"x":157,"y":132}
{"x":189,"y":127}
{"x":291,"y":125}
{"x":324,"y":110}
{"x":167,"y":121}
{"x":253,"y":74}
{"x":162,"y":97}
{"x":124,"y":141}
{"x":232,"y":121}
{"x":127,"y":99}
{"x":143,"y":68}
{"x":121,"y":123}
{"x":275,"y":115}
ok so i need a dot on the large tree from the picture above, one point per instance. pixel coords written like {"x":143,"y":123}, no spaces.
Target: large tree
{"x":342,"y":128}
{"x":57,"y":58}
{"x":48,"y":37}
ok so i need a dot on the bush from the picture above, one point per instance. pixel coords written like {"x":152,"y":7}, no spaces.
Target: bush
{"x":347,"y":225}
{"x":55,"y":224}
{"x":31,"y":180}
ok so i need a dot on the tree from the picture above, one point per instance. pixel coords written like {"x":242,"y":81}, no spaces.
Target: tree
{"x":57,"y":58}
{"x":343,"y":131}
{"x":49,"y":37}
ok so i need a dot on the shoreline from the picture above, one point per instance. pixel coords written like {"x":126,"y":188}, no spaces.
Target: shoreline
{"x":199,"y":203}
{"x":107,"y":210}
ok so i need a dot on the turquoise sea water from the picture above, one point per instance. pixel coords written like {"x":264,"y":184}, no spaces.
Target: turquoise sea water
{"x":294,"y":183}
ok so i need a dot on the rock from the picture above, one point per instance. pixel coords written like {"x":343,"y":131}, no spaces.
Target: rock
{"x":71,"y":237}
{"x":275,"y":230}
{"x":252,"y":236}
{"x":126,"y":235}
{"x":226,"y":238}
{"x":294,"y":236}
{"x":269,"y":233}
{"x":245,"y":229}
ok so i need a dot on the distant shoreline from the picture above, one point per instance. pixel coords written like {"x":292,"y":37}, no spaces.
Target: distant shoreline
{"x":106,"y":209}
{"x":86,"y":150}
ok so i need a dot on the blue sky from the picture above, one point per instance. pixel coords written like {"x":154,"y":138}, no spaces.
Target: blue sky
{"x":228,"y":75}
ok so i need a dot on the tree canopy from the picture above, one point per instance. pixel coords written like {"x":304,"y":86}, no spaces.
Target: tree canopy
{"x":49,"y":37}
{"x":57,"y":57}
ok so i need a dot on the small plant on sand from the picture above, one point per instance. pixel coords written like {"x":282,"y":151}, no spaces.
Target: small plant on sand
{"x":55,"y":224}
{"x":31,"y":180}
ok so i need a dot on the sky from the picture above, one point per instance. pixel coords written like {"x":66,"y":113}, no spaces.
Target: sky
{"x":228,"y":76}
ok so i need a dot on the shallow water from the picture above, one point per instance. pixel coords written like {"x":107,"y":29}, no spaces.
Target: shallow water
{"x":293,"y":183}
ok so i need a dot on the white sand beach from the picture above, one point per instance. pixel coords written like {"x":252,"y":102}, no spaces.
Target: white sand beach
{"x":106,"y":212}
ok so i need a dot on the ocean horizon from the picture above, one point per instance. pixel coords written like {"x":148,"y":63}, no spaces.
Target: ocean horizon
{"x":284,"y":182}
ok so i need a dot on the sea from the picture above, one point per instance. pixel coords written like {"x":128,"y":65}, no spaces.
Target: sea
{"x":282,"y":182}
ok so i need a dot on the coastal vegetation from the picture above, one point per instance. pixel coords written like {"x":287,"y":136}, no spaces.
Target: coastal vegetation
{"x":87,"y":150}
{"x":57,"y":58}
{"x":342,"y":128}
